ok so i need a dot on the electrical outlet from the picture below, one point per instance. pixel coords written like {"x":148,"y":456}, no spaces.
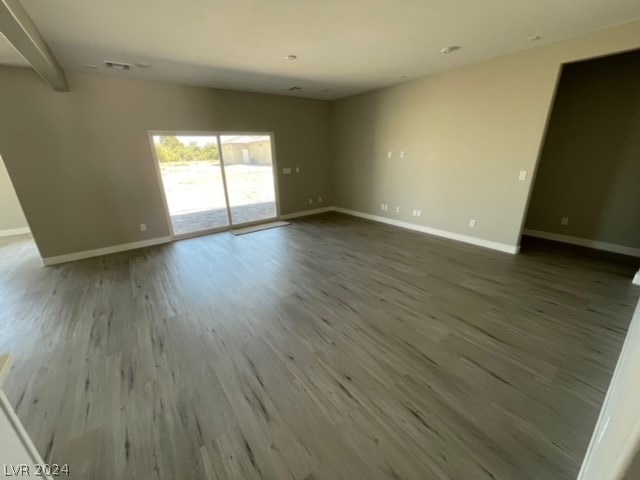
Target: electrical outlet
{"x":143,"y":227}
{"x":472,"y":223}
{"x":297,"y":169}
{"x":418,"y":213}
{"x":310,"y":201}
{"x":319,"y":199}
{"x":523,"y":175}
{"x":389,"y":154}
{"x":402,"y":154}
{"x":397,"y":209}
{"x":564,"y":221}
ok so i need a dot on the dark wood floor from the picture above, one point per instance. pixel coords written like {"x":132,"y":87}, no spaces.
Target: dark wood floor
{"x":333,"y":348}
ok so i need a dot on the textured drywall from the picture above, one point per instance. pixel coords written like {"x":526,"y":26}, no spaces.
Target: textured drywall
{"x":466,"y":135}
{"x":82,"y":166}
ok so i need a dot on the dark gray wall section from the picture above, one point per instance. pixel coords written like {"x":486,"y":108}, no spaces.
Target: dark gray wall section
{"x":590,"y":165}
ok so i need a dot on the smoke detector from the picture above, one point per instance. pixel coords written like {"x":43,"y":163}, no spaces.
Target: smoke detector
{"x":117,"y":65}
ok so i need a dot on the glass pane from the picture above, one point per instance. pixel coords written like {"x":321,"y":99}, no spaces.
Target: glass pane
{"x":248,"y":169}
{"x":192,"y":180}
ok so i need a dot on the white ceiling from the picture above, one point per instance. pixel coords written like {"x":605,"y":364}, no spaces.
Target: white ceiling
{"x":9,"y":55}
{"x":348,"y":46}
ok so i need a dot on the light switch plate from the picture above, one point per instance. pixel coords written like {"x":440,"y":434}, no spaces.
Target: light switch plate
{"x":523,"y":175}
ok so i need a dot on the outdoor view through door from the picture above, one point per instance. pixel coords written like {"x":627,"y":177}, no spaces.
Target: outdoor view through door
{"x":212,"y":182}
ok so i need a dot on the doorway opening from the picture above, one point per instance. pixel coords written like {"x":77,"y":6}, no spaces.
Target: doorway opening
{"x":212,"y":182}
{"x":585,"y":191}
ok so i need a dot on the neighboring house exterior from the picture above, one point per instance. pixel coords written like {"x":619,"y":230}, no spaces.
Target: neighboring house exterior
{"x":247,"y":150}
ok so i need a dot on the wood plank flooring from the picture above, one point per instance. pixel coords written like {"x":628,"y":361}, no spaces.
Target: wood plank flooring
{"x":335,"y":348}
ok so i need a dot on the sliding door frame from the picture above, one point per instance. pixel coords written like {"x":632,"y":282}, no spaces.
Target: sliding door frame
{"x":217,"y":134}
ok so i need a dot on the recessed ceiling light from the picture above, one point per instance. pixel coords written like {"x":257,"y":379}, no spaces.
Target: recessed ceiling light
{"x":142,"y":65}
{"x":291,"y":57}
{"x":90,"y":65}
{"x":535,"y":38}
{"x":450,"y":49}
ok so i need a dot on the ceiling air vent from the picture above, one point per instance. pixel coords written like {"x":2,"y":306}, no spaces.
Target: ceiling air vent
{"x":117,"y":65}
{"x":295,"y":88}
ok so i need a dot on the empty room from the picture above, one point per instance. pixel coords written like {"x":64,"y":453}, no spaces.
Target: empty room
{"x":316,"y":240}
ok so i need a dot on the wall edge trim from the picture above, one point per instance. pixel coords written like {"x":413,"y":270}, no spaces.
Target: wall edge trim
{"x":98,"y":252}
{"x":14,"y":231}
{"x":480,"y":242}
{"x":583,"y":242}
{"x":306,"y":213}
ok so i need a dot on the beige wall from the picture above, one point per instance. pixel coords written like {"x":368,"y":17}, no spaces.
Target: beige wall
{"x":614,"y":446}
{"x":82,"y":166}
{"x":467,"y":133}
{"x":11,"y":216}
{"x":81,"y":162}
{"x":590,"y":165}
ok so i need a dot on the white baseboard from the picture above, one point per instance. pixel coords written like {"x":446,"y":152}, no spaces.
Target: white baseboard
{"x":70,"y":257}
{"x":583,"y":242}
{"x":636,"y":279}
{"x":306,"y":213}
{"x":14,"y":231}
{"x":502,"y":247}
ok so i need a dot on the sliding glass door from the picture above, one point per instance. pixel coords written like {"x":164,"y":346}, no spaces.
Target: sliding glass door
{"x":191,"y":174}
{"x":248,"y":168}
{"x":214,"y":182}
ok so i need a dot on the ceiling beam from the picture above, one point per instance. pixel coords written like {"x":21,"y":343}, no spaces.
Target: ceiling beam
{"x":16,"y":25}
